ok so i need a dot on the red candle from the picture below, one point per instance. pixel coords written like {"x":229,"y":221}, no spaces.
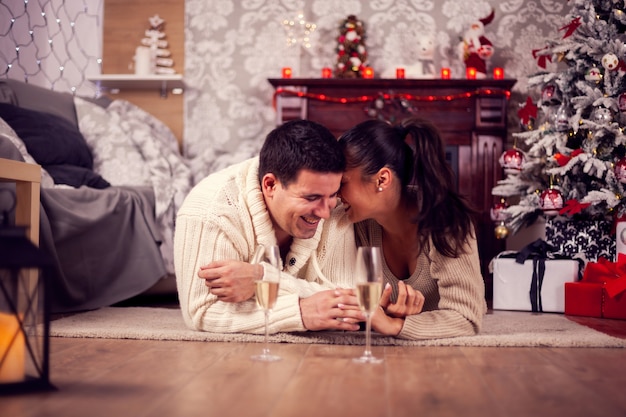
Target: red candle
{"x":498,"y":73}
{"x":286,"y":72}
{"x":327,"y":72}
{"x":400,"y":73}
{"x":368,"y":72}
{"x":470,"y":72}
{"x":445,"y":73}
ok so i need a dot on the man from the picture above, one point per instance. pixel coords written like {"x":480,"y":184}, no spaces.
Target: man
{"x":286,"y":196}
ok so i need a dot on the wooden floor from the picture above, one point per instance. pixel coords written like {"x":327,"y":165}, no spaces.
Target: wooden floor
{"x":117,"y":378}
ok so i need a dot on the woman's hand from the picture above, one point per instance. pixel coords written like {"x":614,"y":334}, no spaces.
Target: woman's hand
{"x":409,"y":302}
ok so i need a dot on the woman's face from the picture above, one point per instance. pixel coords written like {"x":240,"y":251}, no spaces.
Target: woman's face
{"x":357,"y":195}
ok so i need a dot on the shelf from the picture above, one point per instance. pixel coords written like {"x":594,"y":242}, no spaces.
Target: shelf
{"x":116,"y":82}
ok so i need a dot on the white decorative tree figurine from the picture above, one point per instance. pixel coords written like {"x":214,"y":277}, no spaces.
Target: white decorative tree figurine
{"x":160,"y":61}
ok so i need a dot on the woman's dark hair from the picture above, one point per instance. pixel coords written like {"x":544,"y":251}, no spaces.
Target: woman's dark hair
{"x":415,"y":152}
{"x":297,"y":145}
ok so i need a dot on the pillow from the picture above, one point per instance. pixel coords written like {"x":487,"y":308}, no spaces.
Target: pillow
{"x":76,"y":176}
{"x":7,"y":132}
{"x":50,"y":139}
{"x":115,"y":155}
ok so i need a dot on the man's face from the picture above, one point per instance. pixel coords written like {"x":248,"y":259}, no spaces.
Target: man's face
{"x":296,"y":210}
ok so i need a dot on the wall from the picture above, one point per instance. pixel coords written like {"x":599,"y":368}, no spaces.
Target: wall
{"x":232,"y":47}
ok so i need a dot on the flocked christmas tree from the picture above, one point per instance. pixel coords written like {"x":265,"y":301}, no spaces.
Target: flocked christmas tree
{"x":569,"y":159}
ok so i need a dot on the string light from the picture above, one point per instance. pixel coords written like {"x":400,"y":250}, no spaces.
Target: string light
{"x":390,"y":96}
{"x":58,"y":45}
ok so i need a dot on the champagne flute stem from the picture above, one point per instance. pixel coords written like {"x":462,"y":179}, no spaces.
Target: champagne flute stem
{"x":368,"y":334}
{"x":266,"y":351}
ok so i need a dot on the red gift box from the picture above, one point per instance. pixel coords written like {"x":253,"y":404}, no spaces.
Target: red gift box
{"x":601,"y":292}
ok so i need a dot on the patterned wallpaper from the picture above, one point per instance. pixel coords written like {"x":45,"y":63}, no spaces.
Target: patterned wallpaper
{"x":232,"y":47}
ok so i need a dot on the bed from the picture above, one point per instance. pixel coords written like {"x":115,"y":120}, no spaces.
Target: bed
{"x":112,"y":181}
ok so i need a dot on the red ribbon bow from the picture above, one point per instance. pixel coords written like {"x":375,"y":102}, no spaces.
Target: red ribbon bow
{"x":611,"y":274}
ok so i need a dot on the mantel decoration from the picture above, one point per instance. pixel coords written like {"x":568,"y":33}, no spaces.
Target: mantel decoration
{"x":385,"y":106}
{"x":351,"y":51}
{"x":153,"y":57}
{"x":476,"y":49}
{"x":24,"y":311}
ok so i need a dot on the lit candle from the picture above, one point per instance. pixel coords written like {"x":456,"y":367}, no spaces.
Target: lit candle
{"x":400,"y":73}
{"x":286,"y":72}
{"x":445,"y":73}
{"x":470,"y":72}
{"x":498,"y":73}
{"x":327,"y":72}
{"x":12,"y":359}
{"x":368,"y":72}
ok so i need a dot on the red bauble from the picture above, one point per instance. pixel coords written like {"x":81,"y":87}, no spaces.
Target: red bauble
{"x":551,"y":201}
{"x":512,"y":161}
{"x":497,"y":211}
{"x":620,"y":170}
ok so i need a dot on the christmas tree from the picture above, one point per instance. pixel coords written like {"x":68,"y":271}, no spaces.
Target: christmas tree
{"x":569,"y":159}
{"x":351,"y":51}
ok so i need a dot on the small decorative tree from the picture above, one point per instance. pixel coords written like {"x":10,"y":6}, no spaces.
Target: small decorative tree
{"x":161,"y":63}
{"x":351,"y":51}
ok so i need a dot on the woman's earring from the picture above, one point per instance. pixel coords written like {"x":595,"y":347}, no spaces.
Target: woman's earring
{"x":380,"y":189}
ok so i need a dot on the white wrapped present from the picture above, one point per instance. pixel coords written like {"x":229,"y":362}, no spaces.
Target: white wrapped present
{"x":536,"y":285}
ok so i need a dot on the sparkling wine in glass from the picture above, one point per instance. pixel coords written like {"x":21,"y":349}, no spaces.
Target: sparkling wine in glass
{"x":369,"y":287}
{"x":266,"y":293}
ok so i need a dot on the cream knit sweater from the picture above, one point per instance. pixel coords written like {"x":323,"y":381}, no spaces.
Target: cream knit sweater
{"x":453,"y":287}
{"x":225,"y":217}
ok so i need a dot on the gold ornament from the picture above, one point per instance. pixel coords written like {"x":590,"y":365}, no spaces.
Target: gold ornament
{"x":501,"y":231}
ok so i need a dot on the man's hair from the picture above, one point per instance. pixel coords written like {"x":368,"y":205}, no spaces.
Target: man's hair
{"x":300,"y":145}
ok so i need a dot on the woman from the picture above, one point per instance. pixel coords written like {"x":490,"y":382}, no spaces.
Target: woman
{"x":399,"y":191}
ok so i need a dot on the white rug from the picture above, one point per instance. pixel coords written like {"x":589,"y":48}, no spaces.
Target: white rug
{"x":501,"y":328}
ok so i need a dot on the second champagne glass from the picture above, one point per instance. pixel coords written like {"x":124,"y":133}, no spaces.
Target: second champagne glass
{"x":369,"y":287}
{"x":266,"y":293}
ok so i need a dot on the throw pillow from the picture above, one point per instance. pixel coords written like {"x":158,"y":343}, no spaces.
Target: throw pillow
{"x":50,"y":139}
{"x":7,"y":132}
{"x":115,"y":156}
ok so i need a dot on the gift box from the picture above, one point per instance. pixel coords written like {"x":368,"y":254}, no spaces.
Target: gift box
{"x":532,"y":279}
{"x":594,"y":239}
{"x":601,"y":292}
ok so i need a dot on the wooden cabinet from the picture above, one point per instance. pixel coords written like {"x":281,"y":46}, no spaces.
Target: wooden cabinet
{"x":471,"y":115}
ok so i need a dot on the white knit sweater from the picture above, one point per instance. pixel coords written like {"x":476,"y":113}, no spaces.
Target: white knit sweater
{"x":225,"y":217}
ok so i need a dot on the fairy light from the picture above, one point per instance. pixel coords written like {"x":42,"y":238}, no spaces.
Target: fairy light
{"x":56,"y":54}
{"x":388,"y":96}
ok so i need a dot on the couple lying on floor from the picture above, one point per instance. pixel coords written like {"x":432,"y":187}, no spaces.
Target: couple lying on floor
{"x":318,"y":198}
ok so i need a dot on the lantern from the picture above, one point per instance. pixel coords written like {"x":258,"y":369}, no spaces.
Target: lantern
{"x":24,"y":313}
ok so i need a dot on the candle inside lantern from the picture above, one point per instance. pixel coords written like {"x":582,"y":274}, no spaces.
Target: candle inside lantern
{"x":470,"y":73}
{"x":445,"y":73}
{"x":400,"y":73}
{"x":368,"y":72}
{"x":12,"y":358}
{"x":498,"y":73}
{"x":286,"y":72}
{"x":327,"y":72}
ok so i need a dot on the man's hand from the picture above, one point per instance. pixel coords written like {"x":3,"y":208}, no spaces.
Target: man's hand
{"x":331,"y":310}
{"x":231,"y":281}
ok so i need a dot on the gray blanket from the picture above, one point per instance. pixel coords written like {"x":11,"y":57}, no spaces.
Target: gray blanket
{"x":105,"y":242}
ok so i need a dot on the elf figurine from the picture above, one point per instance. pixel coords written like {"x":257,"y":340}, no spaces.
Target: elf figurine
{"x":475,"y":48}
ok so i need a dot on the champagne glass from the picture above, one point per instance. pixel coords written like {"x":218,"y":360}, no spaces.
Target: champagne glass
{"x":369,"y":288}
{"x":266,"y":293}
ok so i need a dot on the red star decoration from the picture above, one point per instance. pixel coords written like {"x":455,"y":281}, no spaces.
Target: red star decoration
{"x":527,"y":111}
{"x":571,"y":28}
